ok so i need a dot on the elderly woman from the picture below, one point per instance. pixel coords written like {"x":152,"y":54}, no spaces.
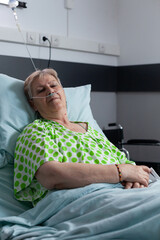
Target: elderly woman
{"x":55,"y":153}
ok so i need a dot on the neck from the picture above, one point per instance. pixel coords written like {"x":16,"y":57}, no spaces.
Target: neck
{"x":63,"y":120}
{"x":60,"y":117}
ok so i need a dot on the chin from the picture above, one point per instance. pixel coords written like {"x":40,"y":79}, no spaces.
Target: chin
{"x":58,"y":106}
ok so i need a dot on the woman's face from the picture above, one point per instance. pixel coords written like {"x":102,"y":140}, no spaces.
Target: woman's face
{"x":40,"y":89}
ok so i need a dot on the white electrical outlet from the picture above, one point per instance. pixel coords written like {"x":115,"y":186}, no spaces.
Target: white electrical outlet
{"x":101,"y":48}
{"x":41,"y":41}
{"x":31,"y":37}
{"x":55,"y":41}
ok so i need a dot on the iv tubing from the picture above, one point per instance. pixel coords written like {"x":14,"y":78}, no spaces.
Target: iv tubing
{"x":19,"y":29}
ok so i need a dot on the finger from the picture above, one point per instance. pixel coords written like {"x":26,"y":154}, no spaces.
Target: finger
{"x":128,"y":185}
{"x":146,"y":169}
{"x":144,"y":176}
{"x":144,"y":181}
{"x":136,"y":185}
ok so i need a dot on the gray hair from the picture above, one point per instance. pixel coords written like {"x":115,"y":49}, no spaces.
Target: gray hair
{"x":36,"y":75}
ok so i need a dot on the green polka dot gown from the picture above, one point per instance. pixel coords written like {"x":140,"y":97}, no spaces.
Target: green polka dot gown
{"x":45,"y":140}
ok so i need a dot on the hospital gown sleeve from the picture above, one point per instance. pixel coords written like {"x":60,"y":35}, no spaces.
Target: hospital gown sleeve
{"x":35,"y":146}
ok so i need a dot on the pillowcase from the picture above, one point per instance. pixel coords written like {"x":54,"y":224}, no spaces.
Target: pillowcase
{"x":78,"y":105}
{"x":16,"y":113}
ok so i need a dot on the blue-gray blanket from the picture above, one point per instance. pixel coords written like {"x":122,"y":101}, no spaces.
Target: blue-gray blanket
{"x":97,"y":211}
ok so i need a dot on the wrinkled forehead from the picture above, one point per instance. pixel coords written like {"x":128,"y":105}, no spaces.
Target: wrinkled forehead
{"x":43,"y":79}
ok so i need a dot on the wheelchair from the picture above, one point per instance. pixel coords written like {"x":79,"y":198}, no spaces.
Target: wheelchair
{"x":115,"y":135}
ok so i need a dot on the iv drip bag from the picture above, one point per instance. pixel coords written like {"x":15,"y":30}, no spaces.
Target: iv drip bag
{"x":13,"y":4}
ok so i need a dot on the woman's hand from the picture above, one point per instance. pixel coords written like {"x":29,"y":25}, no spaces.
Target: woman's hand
{"x":135,"y":176}
{"x":128,"y":185}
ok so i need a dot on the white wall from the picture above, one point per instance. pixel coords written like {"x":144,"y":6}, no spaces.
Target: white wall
{"x":138,"y":31}
{"x":92,"y":20}
{"x":139,"y":38}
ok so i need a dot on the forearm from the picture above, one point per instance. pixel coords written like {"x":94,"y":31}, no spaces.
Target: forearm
{"x":70,"y":175}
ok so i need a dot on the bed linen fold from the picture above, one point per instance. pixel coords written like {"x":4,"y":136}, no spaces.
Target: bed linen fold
{"x":97,"y":211}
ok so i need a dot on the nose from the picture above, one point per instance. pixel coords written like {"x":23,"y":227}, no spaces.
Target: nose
{"x":49,"y":90}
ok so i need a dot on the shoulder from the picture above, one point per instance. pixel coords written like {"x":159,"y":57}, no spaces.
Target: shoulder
{"x":34,"y":125}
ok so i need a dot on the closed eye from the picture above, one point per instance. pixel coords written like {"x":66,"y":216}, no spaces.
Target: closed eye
{"x":40,"y":90}
{"x":52,"y":86}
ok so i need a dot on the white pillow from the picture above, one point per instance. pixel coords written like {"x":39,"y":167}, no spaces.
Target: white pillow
{"x":78,"y":105}
{"x":16,"y":113}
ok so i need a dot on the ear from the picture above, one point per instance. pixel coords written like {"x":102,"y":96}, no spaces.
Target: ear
{"x":32,"y":105}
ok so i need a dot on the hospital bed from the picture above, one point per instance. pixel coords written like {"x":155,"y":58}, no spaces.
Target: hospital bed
{"x":97,"y":211}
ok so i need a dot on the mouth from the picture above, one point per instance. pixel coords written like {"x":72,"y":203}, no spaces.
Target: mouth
{"x":52,"y":98}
